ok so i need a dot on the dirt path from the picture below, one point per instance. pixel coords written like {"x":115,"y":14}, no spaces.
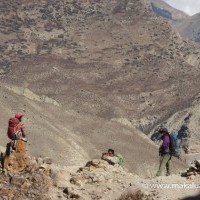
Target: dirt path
{"x":169,"y":188}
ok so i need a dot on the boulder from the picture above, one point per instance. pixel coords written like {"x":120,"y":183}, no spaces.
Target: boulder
{"x":48,"y":161}
{"x":197,"y":163}
{"x":15,"y":158}
{"x":17,"y":180}
{"x":97,"y":171}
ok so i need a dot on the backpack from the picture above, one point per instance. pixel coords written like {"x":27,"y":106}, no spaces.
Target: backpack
{"x":184,"y":132}
{"x":121,"y":158}
{"x":174,"y":144}
{"x":14,"y":128}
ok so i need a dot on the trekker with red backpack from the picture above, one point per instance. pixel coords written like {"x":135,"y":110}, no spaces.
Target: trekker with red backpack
{"x":16,"y":128}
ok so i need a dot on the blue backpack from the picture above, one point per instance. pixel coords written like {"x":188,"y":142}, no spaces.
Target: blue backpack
{"x":174,"y":144}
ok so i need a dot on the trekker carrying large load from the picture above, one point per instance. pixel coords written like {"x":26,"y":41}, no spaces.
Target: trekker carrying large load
{"x":184,"y":135}
{"x":16,"y":128}
{"x":165,"y":153}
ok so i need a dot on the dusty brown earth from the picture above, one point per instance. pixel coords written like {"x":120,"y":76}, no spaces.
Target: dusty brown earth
{"x":92,"y":76}
{"x":107,"y":59}
{"x":70,"y":138}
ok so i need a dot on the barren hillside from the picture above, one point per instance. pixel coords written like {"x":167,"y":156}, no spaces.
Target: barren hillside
{"x":87,"y":74}
{"x":107,"y":59}
{"x":71,"y":139}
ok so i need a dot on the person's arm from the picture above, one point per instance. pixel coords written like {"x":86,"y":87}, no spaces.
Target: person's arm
{"x":23,"y":131}
{"x":112,"y":160}
{"x":188,"y":133}
{"x":104,"y":155}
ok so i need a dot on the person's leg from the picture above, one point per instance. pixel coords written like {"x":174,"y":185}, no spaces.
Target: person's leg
{"x":178,"y":148}
{"x":163,"y":161}
{"x":15,"y":137}
{"x":168,"y":165}
{"x":186,"y":145}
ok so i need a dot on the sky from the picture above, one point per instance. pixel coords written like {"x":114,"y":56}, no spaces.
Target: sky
{"x":190,"y":7}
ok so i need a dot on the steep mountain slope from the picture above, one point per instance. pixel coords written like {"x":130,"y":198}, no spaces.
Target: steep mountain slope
{"x":71,"y":139}
{"x":175,"y":122}
{"x":165,"y":10}
{"x":103,"y":67}
{"x":190,"y":28}
{"x":108,"y":59}
{"x":187,"y":26}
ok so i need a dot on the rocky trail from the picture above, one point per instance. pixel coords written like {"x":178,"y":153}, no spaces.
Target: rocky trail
{"x":41,"y":179}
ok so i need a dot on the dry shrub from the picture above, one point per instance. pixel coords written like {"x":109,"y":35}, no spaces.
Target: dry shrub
{"x":138,"y":195}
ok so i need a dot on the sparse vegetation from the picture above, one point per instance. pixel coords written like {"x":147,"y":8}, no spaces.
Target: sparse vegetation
{"x":137,"y":195}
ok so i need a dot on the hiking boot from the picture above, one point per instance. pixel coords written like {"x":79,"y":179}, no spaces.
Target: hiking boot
{"x":24,"y":139}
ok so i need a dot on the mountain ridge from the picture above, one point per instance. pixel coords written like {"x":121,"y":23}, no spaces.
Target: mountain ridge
{"x":163,"y":9}
{"x":185,"y":25}
{"x":190,"y":28}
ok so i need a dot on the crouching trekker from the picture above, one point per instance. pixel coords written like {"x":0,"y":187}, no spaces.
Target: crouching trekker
{"x":16,"y":147}
{"x":164,"y":153}
{"x":16,"y":128}
{"x":112,"y":158}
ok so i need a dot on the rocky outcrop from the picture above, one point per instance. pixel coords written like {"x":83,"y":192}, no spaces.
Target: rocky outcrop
{"x":43,"y":180}
{"x":97,"y":180}
{"x":100,"y":180}
{"x":28,"y":179}
{"x":193,"y":170}
{"x":94,"y":172}
{"x":15,"y":158}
